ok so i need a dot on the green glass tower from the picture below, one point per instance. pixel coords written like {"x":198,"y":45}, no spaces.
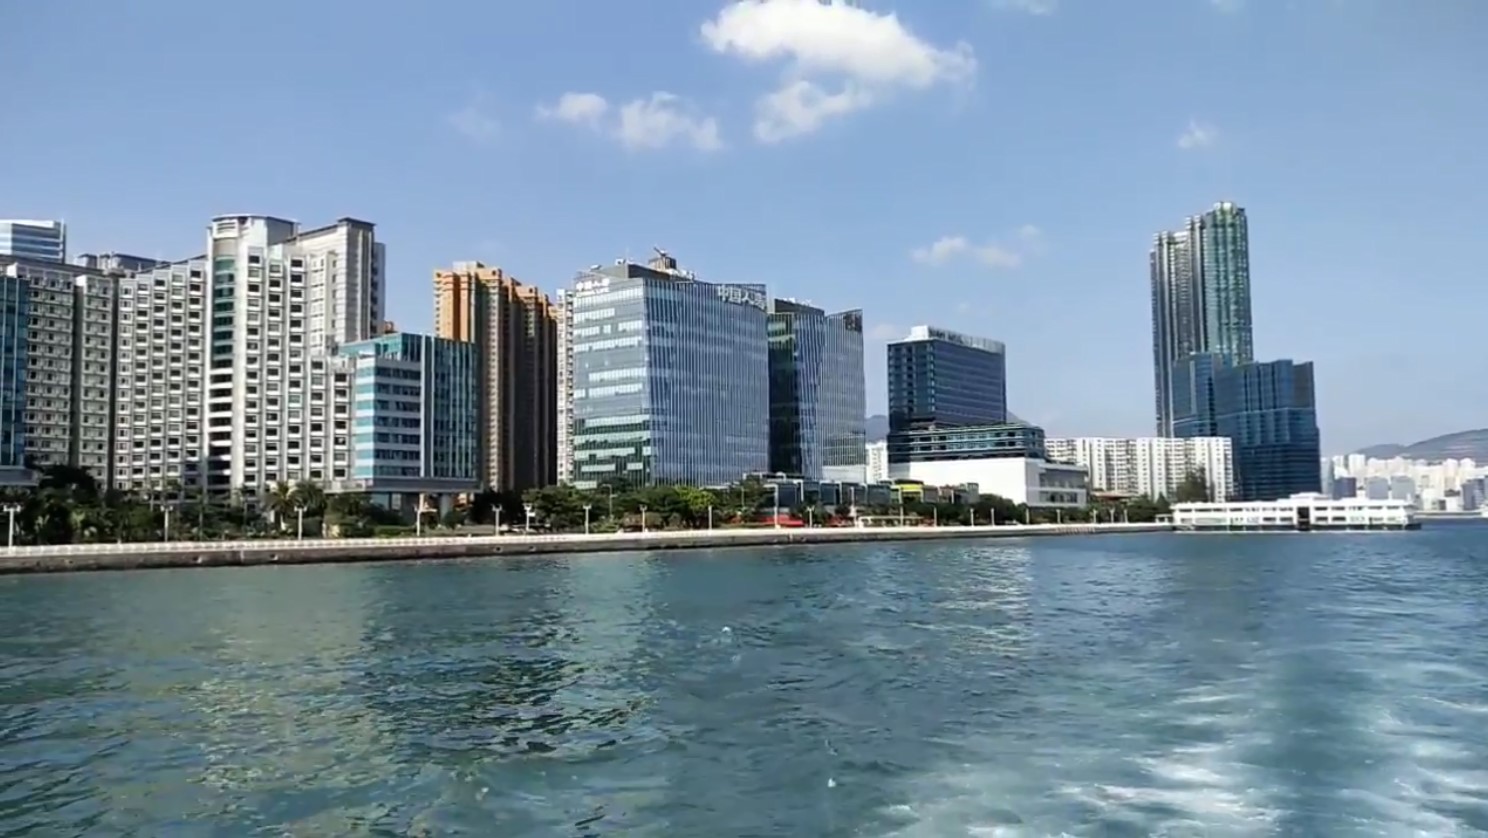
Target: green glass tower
{"x":1200,"y":297}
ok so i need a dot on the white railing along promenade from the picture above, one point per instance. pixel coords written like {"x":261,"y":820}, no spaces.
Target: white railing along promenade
{"x":579,"y":540}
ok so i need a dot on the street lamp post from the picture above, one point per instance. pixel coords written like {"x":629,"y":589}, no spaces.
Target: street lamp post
{"x":587,"y":507}
{"x":935,"y":516}
{"x":643,"y":518}
{"x":810,"y":517}
{"x":973,"y":517}
{"x":498,"y":520}
{"x":11,"y":509}
{"x":710,"y":516}
{"x":776,"y":487}
{"x":1059,"y":516}
{"x":165,"y":510}
{"x":527,"y":527}
{"x":300,"y":522}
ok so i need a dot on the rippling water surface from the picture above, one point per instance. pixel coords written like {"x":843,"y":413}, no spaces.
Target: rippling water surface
{"x":1121,"y":685}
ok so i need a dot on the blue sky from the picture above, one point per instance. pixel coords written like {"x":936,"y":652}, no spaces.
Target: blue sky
{"x":993,"y":166}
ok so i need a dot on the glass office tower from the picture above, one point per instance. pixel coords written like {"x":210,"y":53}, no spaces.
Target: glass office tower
{"x":15,"y":295}
{"x":1200,"y":297}
{"x":414,"y":414}
{"x":1268,"y":411}
{"x":668,"y":377}
{"x":817,"y":398}
{"x":939,"y":377}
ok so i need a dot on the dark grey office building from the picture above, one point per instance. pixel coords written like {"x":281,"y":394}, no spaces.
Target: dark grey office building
{"x":938,"y":377}
{"x":817,"y":398}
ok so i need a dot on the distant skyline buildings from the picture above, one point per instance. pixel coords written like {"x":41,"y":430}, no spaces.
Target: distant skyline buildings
{"x":1201,"y":300}
{"x":45,"y":240}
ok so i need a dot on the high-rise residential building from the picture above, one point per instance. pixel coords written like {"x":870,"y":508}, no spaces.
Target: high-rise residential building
{"x":668,"y":382}
{"x":249,"y":395}
{"x":817,"y":398}
{"x":414,"y":418}
{"x":15,"y":310}
{"x":515,"y":327}
{"x":1200,"y":297}
{"x":28,"y":239}
{"x":937,"y":377}
{"x":160,"y":392}
{"x":69,"y":397}
{"x":1268,"y":411}
{"x":1151,"y":466}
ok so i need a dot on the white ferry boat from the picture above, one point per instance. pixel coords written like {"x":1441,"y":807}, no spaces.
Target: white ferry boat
{"x":1302,"y":512}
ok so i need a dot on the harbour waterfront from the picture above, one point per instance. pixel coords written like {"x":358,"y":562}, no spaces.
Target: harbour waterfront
{"x":1087,"y":685}
{"x":163,"y":554}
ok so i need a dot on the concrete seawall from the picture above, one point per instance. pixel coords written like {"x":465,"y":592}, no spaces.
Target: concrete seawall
{"x":86,"y":557}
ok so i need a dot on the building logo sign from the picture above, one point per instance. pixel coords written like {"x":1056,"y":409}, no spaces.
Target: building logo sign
{"x":742,"y":295}
{"x":597,"y":285}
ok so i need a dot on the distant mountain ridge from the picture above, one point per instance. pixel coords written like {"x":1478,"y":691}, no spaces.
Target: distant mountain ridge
{"x":1463,"y":445}
{"x":877,"y":426}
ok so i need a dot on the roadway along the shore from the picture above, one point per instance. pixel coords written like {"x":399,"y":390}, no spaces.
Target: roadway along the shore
{"x":136,"y":556}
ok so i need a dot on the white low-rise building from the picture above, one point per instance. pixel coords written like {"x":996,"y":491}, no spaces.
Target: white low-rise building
{"x":1301,"y":512}
{"x":1026,"y":480}
{"x":1151,"y":466}
{"x":1005,"y":459}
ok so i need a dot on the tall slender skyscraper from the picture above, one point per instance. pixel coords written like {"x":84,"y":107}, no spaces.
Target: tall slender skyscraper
{"x":516,"y":328}
{"x":1200,"y":297}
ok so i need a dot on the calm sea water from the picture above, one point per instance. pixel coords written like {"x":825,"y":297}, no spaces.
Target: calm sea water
{"x":1302,"y":685}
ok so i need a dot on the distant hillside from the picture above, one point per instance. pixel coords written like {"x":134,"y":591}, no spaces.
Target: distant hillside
{"x":878,"y":426}
{"x":1461,"y":445}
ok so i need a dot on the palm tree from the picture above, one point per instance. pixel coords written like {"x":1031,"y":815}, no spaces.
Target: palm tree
{"x":280,"y":502}
{"x":309,"y":496}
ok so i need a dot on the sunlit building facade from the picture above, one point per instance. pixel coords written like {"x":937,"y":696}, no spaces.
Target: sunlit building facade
{"x":668,"y":382}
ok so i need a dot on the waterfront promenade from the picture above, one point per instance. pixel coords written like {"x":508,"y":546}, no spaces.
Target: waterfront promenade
{"x":133,"y":556}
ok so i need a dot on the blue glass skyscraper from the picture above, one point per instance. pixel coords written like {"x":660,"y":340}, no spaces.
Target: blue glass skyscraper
{"x":668,"y":377}
{"x":940,"y":377}
{"x":1268,"y":410}
{"x":817,"y":398}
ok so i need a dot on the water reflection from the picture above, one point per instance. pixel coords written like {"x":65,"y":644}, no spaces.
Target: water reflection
{"x":1114,"y":686}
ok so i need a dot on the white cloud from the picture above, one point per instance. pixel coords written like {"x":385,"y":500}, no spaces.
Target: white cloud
{"x":1197,"y":135}
{"x":659,"y":121}
{"x":801,"y":107}
{"x":864,"y":55}
{"x":1031,"y":7}
{"x":991,"y":254}
{"x":582,"y":108}
{"x":475,"y":123}
{"x":663,"y":119}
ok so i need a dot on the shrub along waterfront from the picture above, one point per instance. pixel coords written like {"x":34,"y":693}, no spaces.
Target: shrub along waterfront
{"x":68,"y":506}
